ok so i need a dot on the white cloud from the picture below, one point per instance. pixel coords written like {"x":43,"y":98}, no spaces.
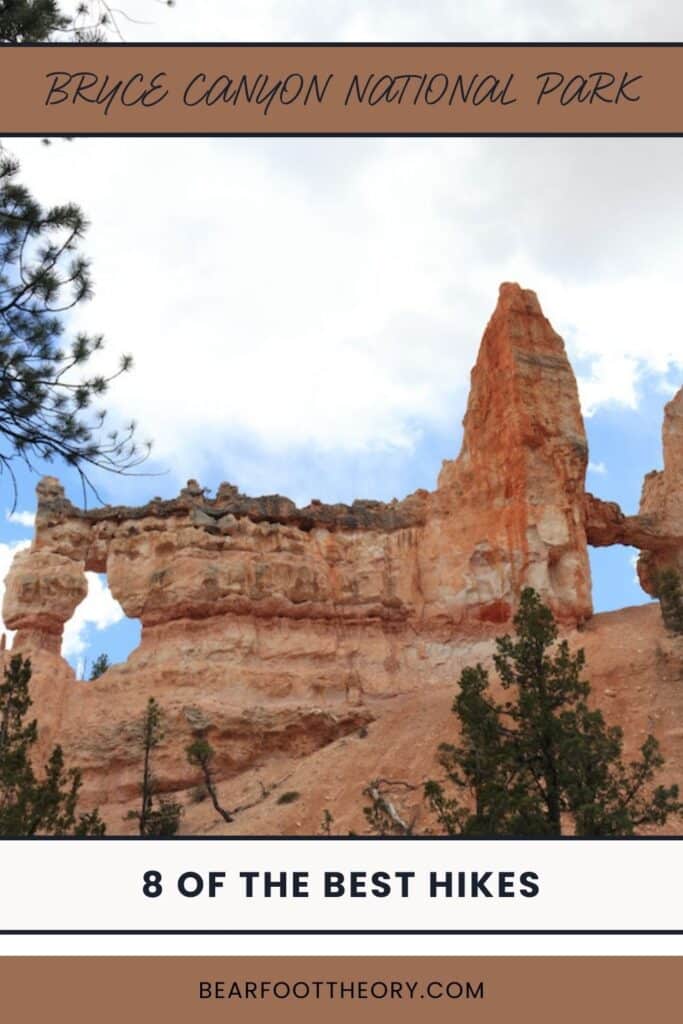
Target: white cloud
{"x":27,"y":519}
{"x":98,"y":609}
{"x":633,"y":560}
{"x":331,"y":293}
{"x":402,"y":20}
{"x":297,"y":296}
{"x":597,"y":467}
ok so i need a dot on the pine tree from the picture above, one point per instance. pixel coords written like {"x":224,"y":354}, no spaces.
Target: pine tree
{"x":670,"y":596}
{"x":99,"y":666}
{"x":46,"y":398}
{"x":483,"y":767}
{"x":30,"y":805}
{"x":543,"y":760}
{"x":30,"y":21}
{"x":37,"y":21}
{"x":200,"y":754}
{"x":158,"y":816}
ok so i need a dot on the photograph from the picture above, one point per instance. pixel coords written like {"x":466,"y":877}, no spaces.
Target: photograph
{"x":342,"y":477}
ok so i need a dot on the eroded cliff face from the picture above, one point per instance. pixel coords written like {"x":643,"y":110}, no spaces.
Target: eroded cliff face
{"x":277,"y":630}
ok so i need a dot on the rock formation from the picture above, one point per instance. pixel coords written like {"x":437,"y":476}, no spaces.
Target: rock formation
{"x":658,"y":528}
{"x":513,"y":499}
{"x":276,"y":630}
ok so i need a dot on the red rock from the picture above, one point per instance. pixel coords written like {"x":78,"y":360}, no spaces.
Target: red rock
{"x":661,"y":501}
{"x":512,"y":502}
{"x":279,"y":631}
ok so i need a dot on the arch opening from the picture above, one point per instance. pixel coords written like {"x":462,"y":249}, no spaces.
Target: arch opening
{"x":614,"y":578}
{"x":99,"y":626}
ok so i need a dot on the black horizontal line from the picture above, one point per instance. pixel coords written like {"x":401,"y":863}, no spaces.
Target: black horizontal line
{"x":343,"y":839}
{"x":341,"y":135}
{"x":341,"y":931}
{"x":412,"y":44}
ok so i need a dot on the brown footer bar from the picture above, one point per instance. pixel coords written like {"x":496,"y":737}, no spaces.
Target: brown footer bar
{"x":329,"y":989}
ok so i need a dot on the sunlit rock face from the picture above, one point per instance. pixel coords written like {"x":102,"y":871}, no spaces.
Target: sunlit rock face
{"x":279,"y":630}
{"x":513,"y":501}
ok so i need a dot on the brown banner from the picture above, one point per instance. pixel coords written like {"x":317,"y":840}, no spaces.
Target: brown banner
{"x":329,"y":89}
{"x":301,"y":989}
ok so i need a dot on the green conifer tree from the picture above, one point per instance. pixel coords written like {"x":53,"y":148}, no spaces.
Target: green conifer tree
{"x":158,"y":816}
{"x":543,"y":761}
{"x":99,"y":666}
{"x":91,"y":21}
{"x":32,"y":805}
{"x":30,"y":21}
{"x":46,"y":395}
{"x":200,"y":754}
{"x":670,"y":594}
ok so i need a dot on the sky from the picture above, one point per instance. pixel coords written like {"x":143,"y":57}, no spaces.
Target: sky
{"x":304,"y":314}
